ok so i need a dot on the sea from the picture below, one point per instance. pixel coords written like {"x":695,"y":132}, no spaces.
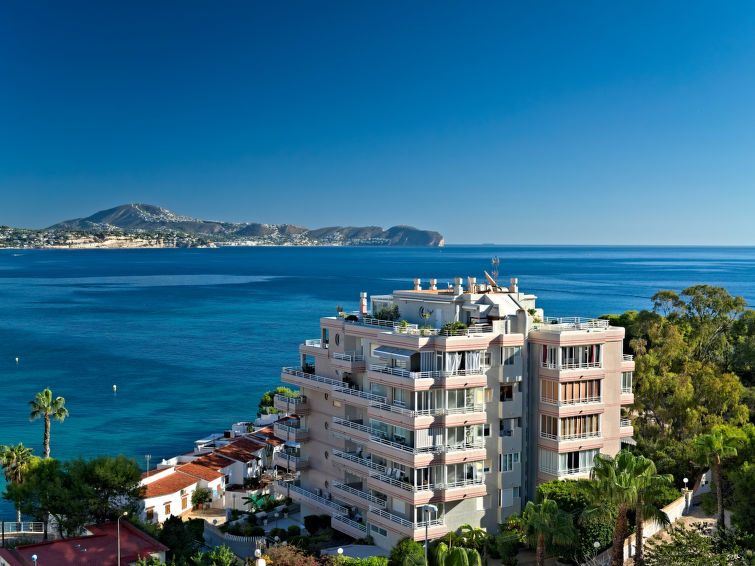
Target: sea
{"x":193,"y":337}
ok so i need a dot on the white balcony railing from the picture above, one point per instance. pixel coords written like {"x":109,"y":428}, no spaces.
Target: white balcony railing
{"x":350,"y":424}
{"x":416,"y":330}
{"x":343,"y":519}
{"x":348,"y":356}
{"x":570,"y":402}
{"x":571,"y":364}
{"x":405,"y":522}
{"x":405,"y":448}
{"x":312,"y":377}
{"x":401,"y":372}
{"x":13,"y":527}
{"x":340,"y":388}
{"x":626,"y":390}
{"x":359,"y":493}
{"x":627,"y":357}
{"x":290,"y":400}
{"x":577,"y":436}
{"x":315,"y":343}
{"x":340,"y":509}
{"x":359,"y":460}
{"x":625,"y":422}
{"x":291,"y":429}
{"x":571,"y":323}
{"x":565,"y":473}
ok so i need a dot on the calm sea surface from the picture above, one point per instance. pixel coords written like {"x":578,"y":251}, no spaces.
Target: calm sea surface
{"x":193,"y":337}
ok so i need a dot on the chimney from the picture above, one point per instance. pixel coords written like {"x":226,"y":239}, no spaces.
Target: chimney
{"x":457,"y":285}
{"x":362,"y":303}
{"x":471,"y":282}
{"x":514,"y":287}
{"x":417,"y":286}
{"x":433,"y":284}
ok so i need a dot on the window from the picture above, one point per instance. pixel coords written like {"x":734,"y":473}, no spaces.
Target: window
{"x":167,"y":509}
{"x":184,"y":502}
{"x":150,"y":514}
{"x":584,"y":391}
{"x":507,"y":393}
{"x":486,"y":359}
{"x":488,"y":394}
{"x":626,"y":381}
{"x":549,"y":391}
{"x":511,"y":355}
{"x":507,"y":426}
{"x":486,"y":466}
{"x":564,"y":464}
{"x":378,"y":530}
{"x":486,"y":429}
{"x":338,"y":339}
{"x":506,"y":461}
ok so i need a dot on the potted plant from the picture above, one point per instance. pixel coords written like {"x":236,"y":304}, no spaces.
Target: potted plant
{"x":402,"y":326}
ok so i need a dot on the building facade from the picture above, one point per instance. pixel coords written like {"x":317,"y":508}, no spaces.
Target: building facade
{"x":464,"y":398}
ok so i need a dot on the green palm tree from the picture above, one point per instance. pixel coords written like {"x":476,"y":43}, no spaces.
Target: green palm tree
{"x":649,"y":494}
{"x":14,"y":461}
{"x":474,"y":538}
{"x":44,"y":406}
{"x":710,"y":450}
{"x":615,"y":485}
{"x":544,"y":523}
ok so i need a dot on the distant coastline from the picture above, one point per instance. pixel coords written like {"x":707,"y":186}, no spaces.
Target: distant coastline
{"x":131,"y":226}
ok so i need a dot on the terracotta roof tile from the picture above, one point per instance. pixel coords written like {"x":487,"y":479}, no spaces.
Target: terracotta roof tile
{"x":241,"y":450}
{"x":199,"y":471}
{"x":170,"y":484}
{"x":214,"y":461}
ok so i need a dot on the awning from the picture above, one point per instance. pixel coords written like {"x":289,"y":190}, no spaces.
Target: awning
{"x":395,"y":353}
{"x":292,"y":444}
{"x":629,"y":440}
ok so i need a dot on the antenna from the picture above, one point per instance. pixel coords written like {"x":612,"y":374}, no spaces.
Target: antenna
{"x":495,"y":262}
{"x":148,"y":457}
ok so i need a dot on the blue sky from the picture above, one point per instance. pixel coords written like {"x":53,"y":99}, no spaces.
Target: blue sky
{"x":562,"y":122}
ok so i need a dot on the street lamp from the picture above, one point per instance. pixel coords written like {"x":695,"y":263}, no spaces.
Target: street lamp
{"x":428,"y":507}
{"x":685,"y":480}
{"x":259,"y":560}
{"x":118,"y":528}
{"x":33,"y":556}
{"x":340,"y":552}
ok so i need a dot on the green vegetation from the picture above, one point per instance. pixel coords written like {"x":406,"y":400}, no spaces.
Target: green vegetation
{"x":405,"y":548}
{"x":545,"y":524}
{"x":698,"y":546}
{"x":44,"y":406}
{"x":388,"y":312}
{"x":265,"y":406}
{"x":77,"y":492}
{"x":15,"y":461}
{"x":453,"y":327}
{"x":200,"y":496}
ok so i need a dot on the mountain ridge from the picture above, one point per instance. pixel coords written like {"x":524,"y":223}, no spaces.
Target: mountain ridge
{"x":141,"y":218}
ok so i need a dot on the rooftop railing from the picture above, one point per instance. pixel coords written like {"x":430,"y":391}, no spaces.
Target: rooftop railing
{"x":571,"y":323}
{"x":417,"y":330}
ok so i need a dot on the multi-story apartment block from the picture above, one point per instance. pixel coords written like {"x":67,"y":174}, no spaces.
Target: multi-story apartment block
{"x":397,"y":414}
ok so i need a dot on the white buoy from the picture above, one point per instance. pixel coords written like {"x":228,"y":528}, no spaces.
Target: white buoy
{"x":115,"y":388}
{"x":16,"y":360}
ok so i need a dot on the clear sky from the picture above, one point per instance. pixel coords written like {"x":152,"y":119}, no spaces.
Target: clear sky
{"x":529,"y":122}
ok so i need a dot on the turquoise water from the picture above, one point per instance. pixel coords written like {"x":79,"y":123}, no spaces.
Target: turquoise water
{"x":193,"y":337}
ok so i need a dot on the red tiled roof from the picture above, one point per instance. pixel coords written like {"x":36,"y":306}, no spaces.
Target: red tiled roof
{"x":199,"y":471}
{"x":267,"y":436}
{"x":214,"y":461}
{"x":241,"y":450}
{"x":169,"y":484}
{"x":98,"y":548}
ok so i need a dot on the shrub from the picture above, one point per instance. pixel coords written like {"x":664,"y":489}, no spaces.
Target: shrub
{"x":387,"y":313}
{"x":290,"y":556}
{"x":282,"y":534}
{"x":200,"y":496}
{"x":294,"y":530}
{"x":352,"y":318}
{"x":316,"y":523}
{"x":454,"y":326}
{"x":405,"y":547}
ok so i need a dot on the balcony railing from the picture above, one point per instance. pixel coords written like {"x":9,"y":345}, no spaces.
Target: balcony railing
{"x":312,"y":377}
{"x":340,"y":509}
{"x":577,"y":436}
{"x":315,"y":343}
{"x":626,"y":390}
{"x":340,"y":388}
{"x":625,"y":422}
{"x":571,"y":365}
{"x":627,"y":357}
{"x":13,"y":527}
{"x":570,"y":402}
{"x":348,"y":356}
{"x":440,"y":411}
{"x":343,"y":519}
{"x":291,"y":429}
{"x":565,"y":473}
{"x":351,"y":424}
{"x":405,"y":448}
{"x":359,"y":493}
{"x":291,"y":458}
{"x":405,"y":522}
{"x":401,"y":372}
{"x":359,"y":460}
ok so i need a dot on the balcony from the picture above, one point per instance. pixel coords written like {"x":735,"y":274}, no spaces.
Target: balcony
{"x":567,"y":323}
{"x":356,"y":463}
{"x":297,"y":405}
{"x":400,"y":452}
{"x":570,"y":364}
{"x":355,"y":397}
{"x":627,"y":362}
{"x":415,"y":330}
{"x":422,"y":380}
{"x":571,"y":472}
{"x":314,"y":348}
{"x":356,"y":496}
{"x":296,"y":376}
{"x":351,"y":430}
{"x":571,"y":402}
{"x":405,"y":527}
{"x":308,"y":498}
{"x":569,"y":437}
{"x":348,"y":526}
{"x":290,"y":432}
{"x":626,"y":428}
{"x":290,"y":462}
{"x":349,"y":361}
